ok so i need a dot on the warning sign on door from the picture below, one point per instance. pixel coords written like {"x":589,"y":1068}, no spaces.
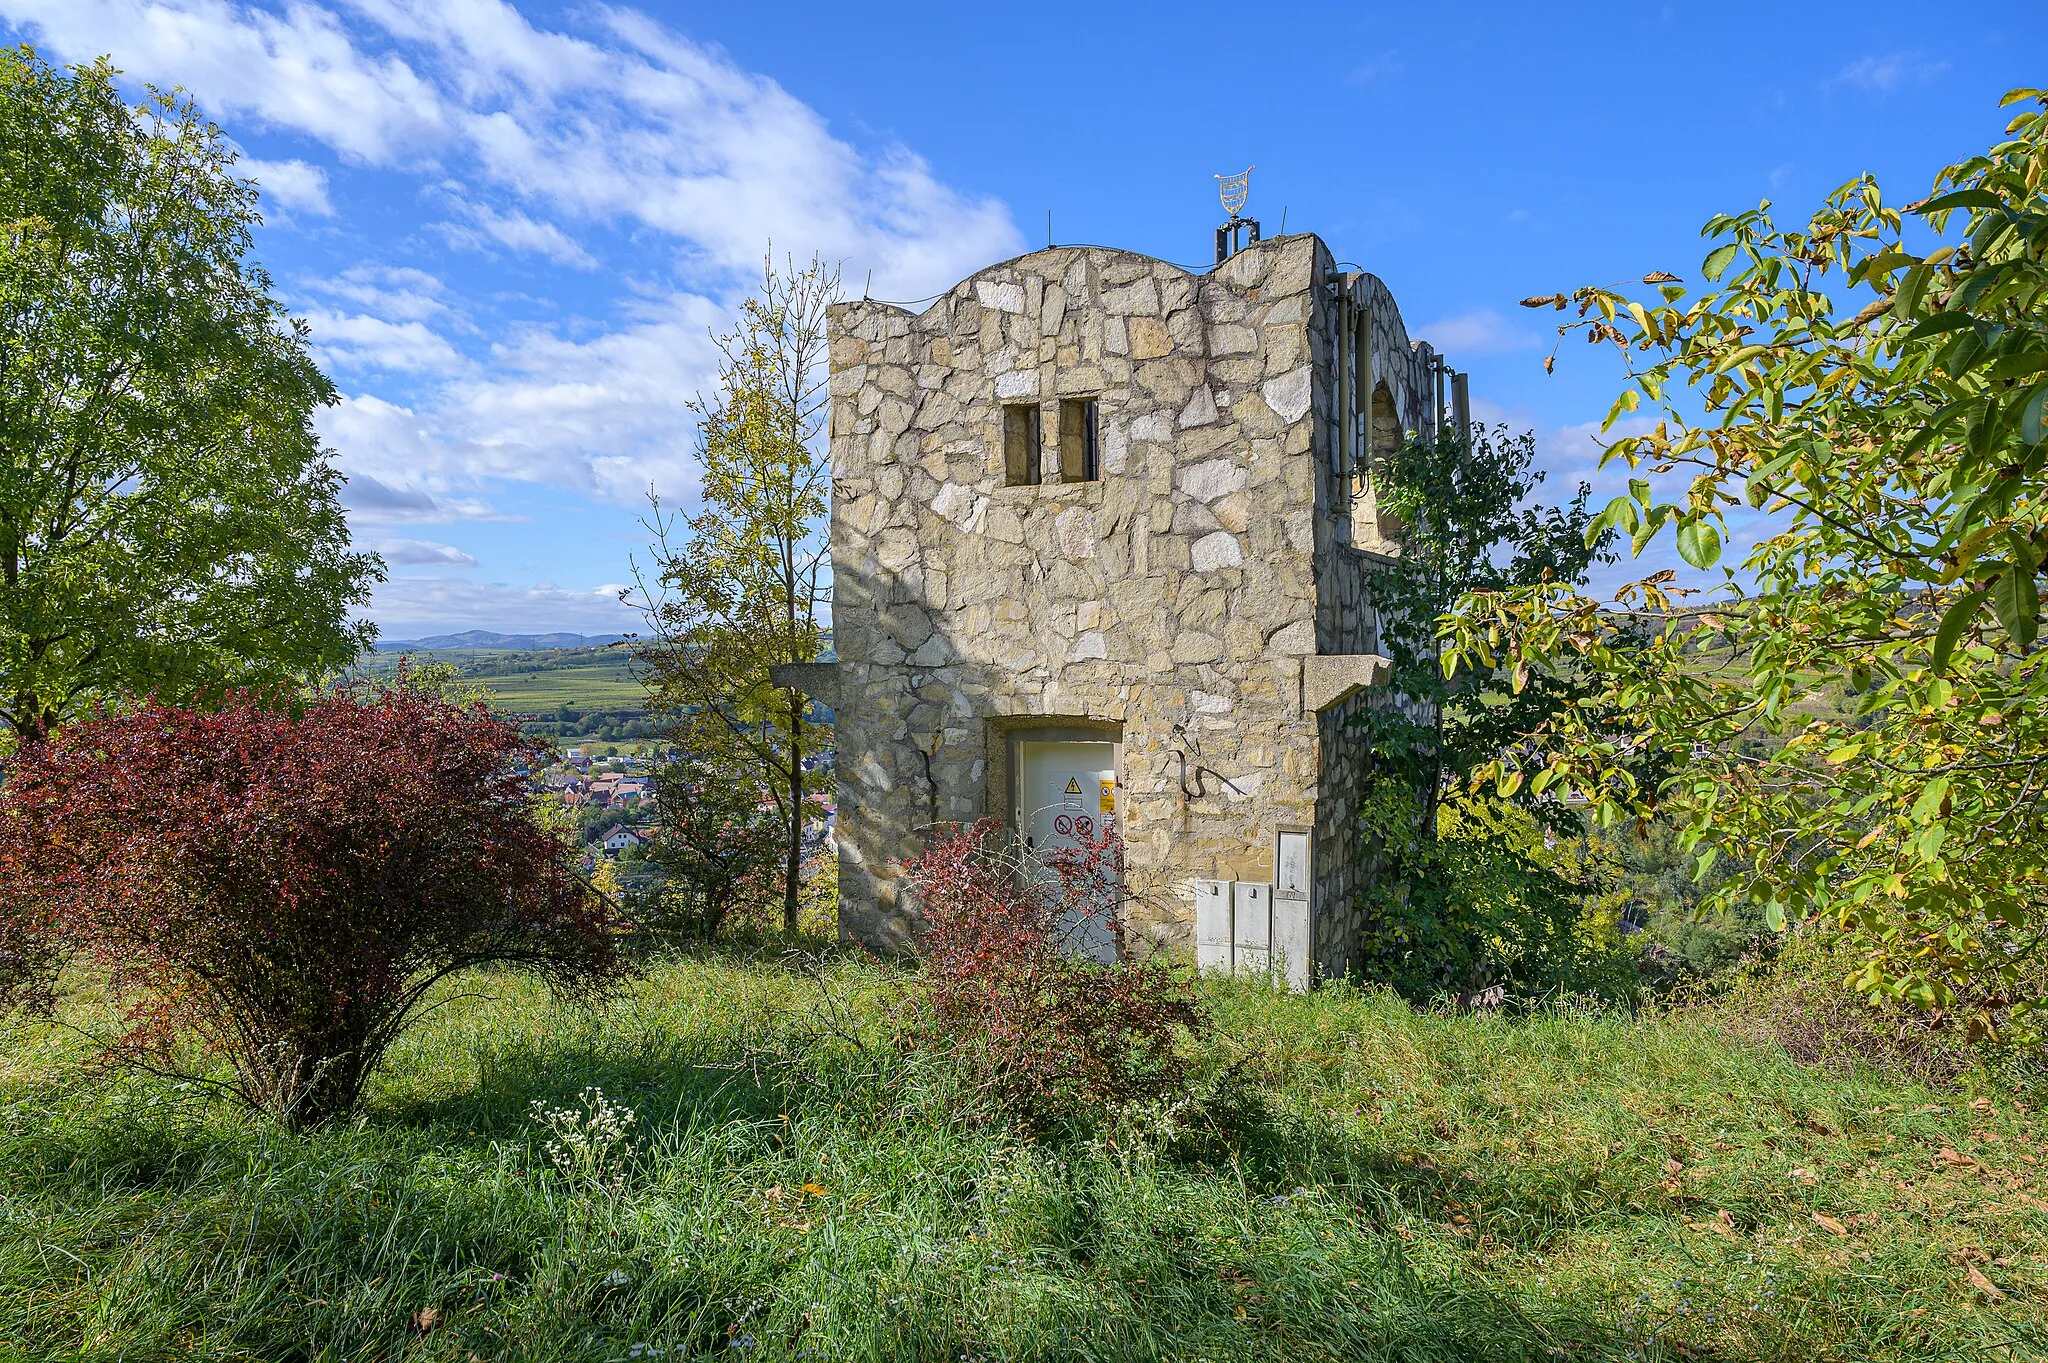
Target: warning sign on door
{"x":1073,"y":785}
{"x":1108,"y":797}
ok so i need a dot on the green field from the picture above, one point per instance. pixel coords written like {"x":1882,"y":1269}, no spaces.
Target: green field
{"x":531,"y":681}
{"x":796,"y":1186}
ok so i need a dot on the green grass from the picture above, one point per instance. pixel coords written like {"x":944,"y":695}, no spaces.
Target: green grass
{"x":1417,"y":1186}
{"x":529,"y":681}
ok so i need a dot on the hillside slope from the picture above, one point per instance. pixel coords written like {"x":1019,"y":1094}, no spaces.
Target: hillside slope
{"x":795,"y":1186}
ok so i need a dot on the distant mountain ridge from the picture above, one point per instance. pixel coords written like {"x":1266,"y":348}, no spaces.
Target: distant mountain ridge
{"x":483,"y":638}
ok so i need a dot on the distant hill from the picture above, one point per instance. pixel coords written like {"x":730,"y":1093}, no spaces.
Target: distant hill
{"x":483,"y":638}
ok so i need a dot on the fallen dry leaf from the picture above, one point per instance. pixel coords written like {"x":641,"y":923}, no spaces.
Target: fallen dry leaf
{"x":427,"y":1319}
{"x":1954,"y":1159}
{"x":1829,"y":1224}
{"x":1802,"y":1176}
{"x":1982,"y":1105}
{"x":1673,"y":1168}
{"x":1982,"y":1283}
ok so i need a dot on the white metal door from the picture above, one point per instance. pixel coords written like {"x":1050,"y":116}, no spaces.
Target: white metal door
{"x":1066,"y":796}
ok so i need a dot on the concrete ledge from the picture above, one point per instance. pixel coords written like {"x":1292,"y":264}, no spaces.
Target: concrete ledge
{"x":819,"y":681}
{"x":1328,"y":680}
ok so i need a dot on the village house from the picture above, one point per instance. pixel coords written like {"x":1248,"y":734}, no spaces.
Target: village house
{"x":1102,"y":531}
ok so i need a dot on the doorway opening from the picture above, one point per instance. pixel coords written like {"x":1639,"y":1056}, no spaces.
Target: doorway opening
{"x":1064,"y":797}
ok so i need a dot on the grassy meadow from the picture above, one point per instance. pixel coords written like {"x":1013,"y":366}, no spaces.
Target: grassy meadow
{"x":528,"y":681}
{"x":795,"y":1185}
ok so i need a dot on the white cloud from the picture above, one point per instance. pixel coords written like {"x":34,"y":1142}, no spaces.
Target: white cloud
{"x":395,"y":293}
{"x":636,"y":124}
{"x":359,"y":342}
{"x":605,"y":416}
{"x":410,"y":552}
{"x":1883,"y":75}
{"x":1479,"y":332}
{"x":518,"y":232}
{"x":298,"y":70}
{"x":294,"y":186}
{"x":411,"y":606}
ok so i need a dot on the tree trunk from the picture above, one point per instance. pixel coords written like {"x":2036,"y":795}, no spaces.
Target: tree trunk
{"x":792,"y":877}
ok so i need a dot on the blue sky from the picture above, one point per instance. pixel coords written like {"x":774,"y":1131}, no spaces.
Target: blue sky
{"x":512,"y":227}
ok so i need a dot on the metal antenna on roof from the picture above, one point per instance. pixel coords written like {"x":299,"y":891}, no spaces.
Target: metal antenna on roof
{"x":1231,"y":236}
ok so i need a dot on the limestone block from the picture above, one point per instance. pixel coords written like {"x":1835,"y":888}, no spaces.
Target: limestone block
{"x":1328,"y":680}
{"x":1140,"y":297}
{"x":1074,"y":532}
{"x":1018,"y":383}
{"x":1001,"y":297}
{"x":1149,"y":339}
{"x":1200,"y":411}
{"x":1213,"y":478}
{"x":1216,"y":551}
{"x":1152,"y":426}
{"x":1089,"y":644}
{"x":1289,"y":395}
{"x":819,"y":681}
{"x":1233,"y":513}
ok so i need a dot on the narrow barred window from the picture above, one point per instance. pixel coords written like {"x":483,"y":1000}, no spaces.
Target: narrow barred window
{"x":1079,"y":447}
{"x":1021,"y":440}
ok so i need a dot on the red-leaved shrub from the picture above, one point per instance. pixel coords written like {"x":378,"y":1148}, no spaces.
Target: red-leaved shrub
{"x":1055,"y":1037}
{"x":283,"y":883}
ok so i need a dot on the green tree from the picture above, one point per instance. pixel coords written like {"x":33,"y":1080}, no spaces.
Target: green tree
{"x":1873,"y":383}
{"x":168,"y":522}
{"x":716,"y":838}
{"x":740,"y":586}
{"x":1462,"y":894}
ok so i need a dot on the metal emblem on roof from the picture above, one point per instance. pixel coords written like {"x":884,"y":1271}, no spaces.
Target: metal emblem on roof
{"x":1235,"y":189}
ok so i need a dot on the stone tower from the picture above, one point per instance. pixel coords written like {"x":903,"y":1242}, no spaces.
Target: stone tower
{"x":1101,"y":537}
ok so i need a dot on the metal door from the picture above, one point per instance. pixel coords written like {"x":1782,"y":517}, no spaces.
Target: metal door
{"x":1066,"y":796}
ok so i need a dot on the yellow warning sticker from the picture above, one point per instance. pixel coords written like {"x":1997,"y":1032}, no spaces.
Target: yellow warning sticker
{"x":1108,"y":796}
{"x":1073,"y":785}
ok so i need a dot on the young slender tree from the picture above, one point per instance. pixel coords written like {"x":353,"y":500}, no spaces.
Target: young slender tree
{"x":168,"y":520}
{"x":741,"y":585}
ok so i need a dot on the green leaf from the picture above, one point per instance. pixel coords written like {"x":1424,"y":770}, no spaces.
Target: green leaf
{"x":1953,"y":622}
{"x":1717,"y":261}
{"x":1774,"y":914}
{"x":1699,"y":544}
{"x":1940,"y":324}
{"x":1910,"y":289}
{"x":2018,"y":604}
{"x":1960,"y":198}
{"x":1928,"y":806}
{"x":2019,"y":366}
{"x":2034,"y":418}
{"x":1706,"y":863}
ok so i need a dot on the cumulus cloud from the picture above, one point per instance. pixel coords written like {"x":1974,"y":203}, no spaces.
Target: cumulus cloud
{"x":294,"y":186}
{"x":631,"y":123}
{"x":516,"y":232}
{"x":409,"y":606}
{"x":1479,"y":332}
{"x":360,"y":342}
{"x":409,"y":552}
{"x":602,"y":142}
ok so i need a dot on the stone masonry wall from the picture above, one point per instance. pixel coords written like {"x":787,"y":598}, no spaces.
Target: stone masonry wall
{"x":1350,"y":542}
{"x":1172,"y":599}
{"x":1169,"y":604}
